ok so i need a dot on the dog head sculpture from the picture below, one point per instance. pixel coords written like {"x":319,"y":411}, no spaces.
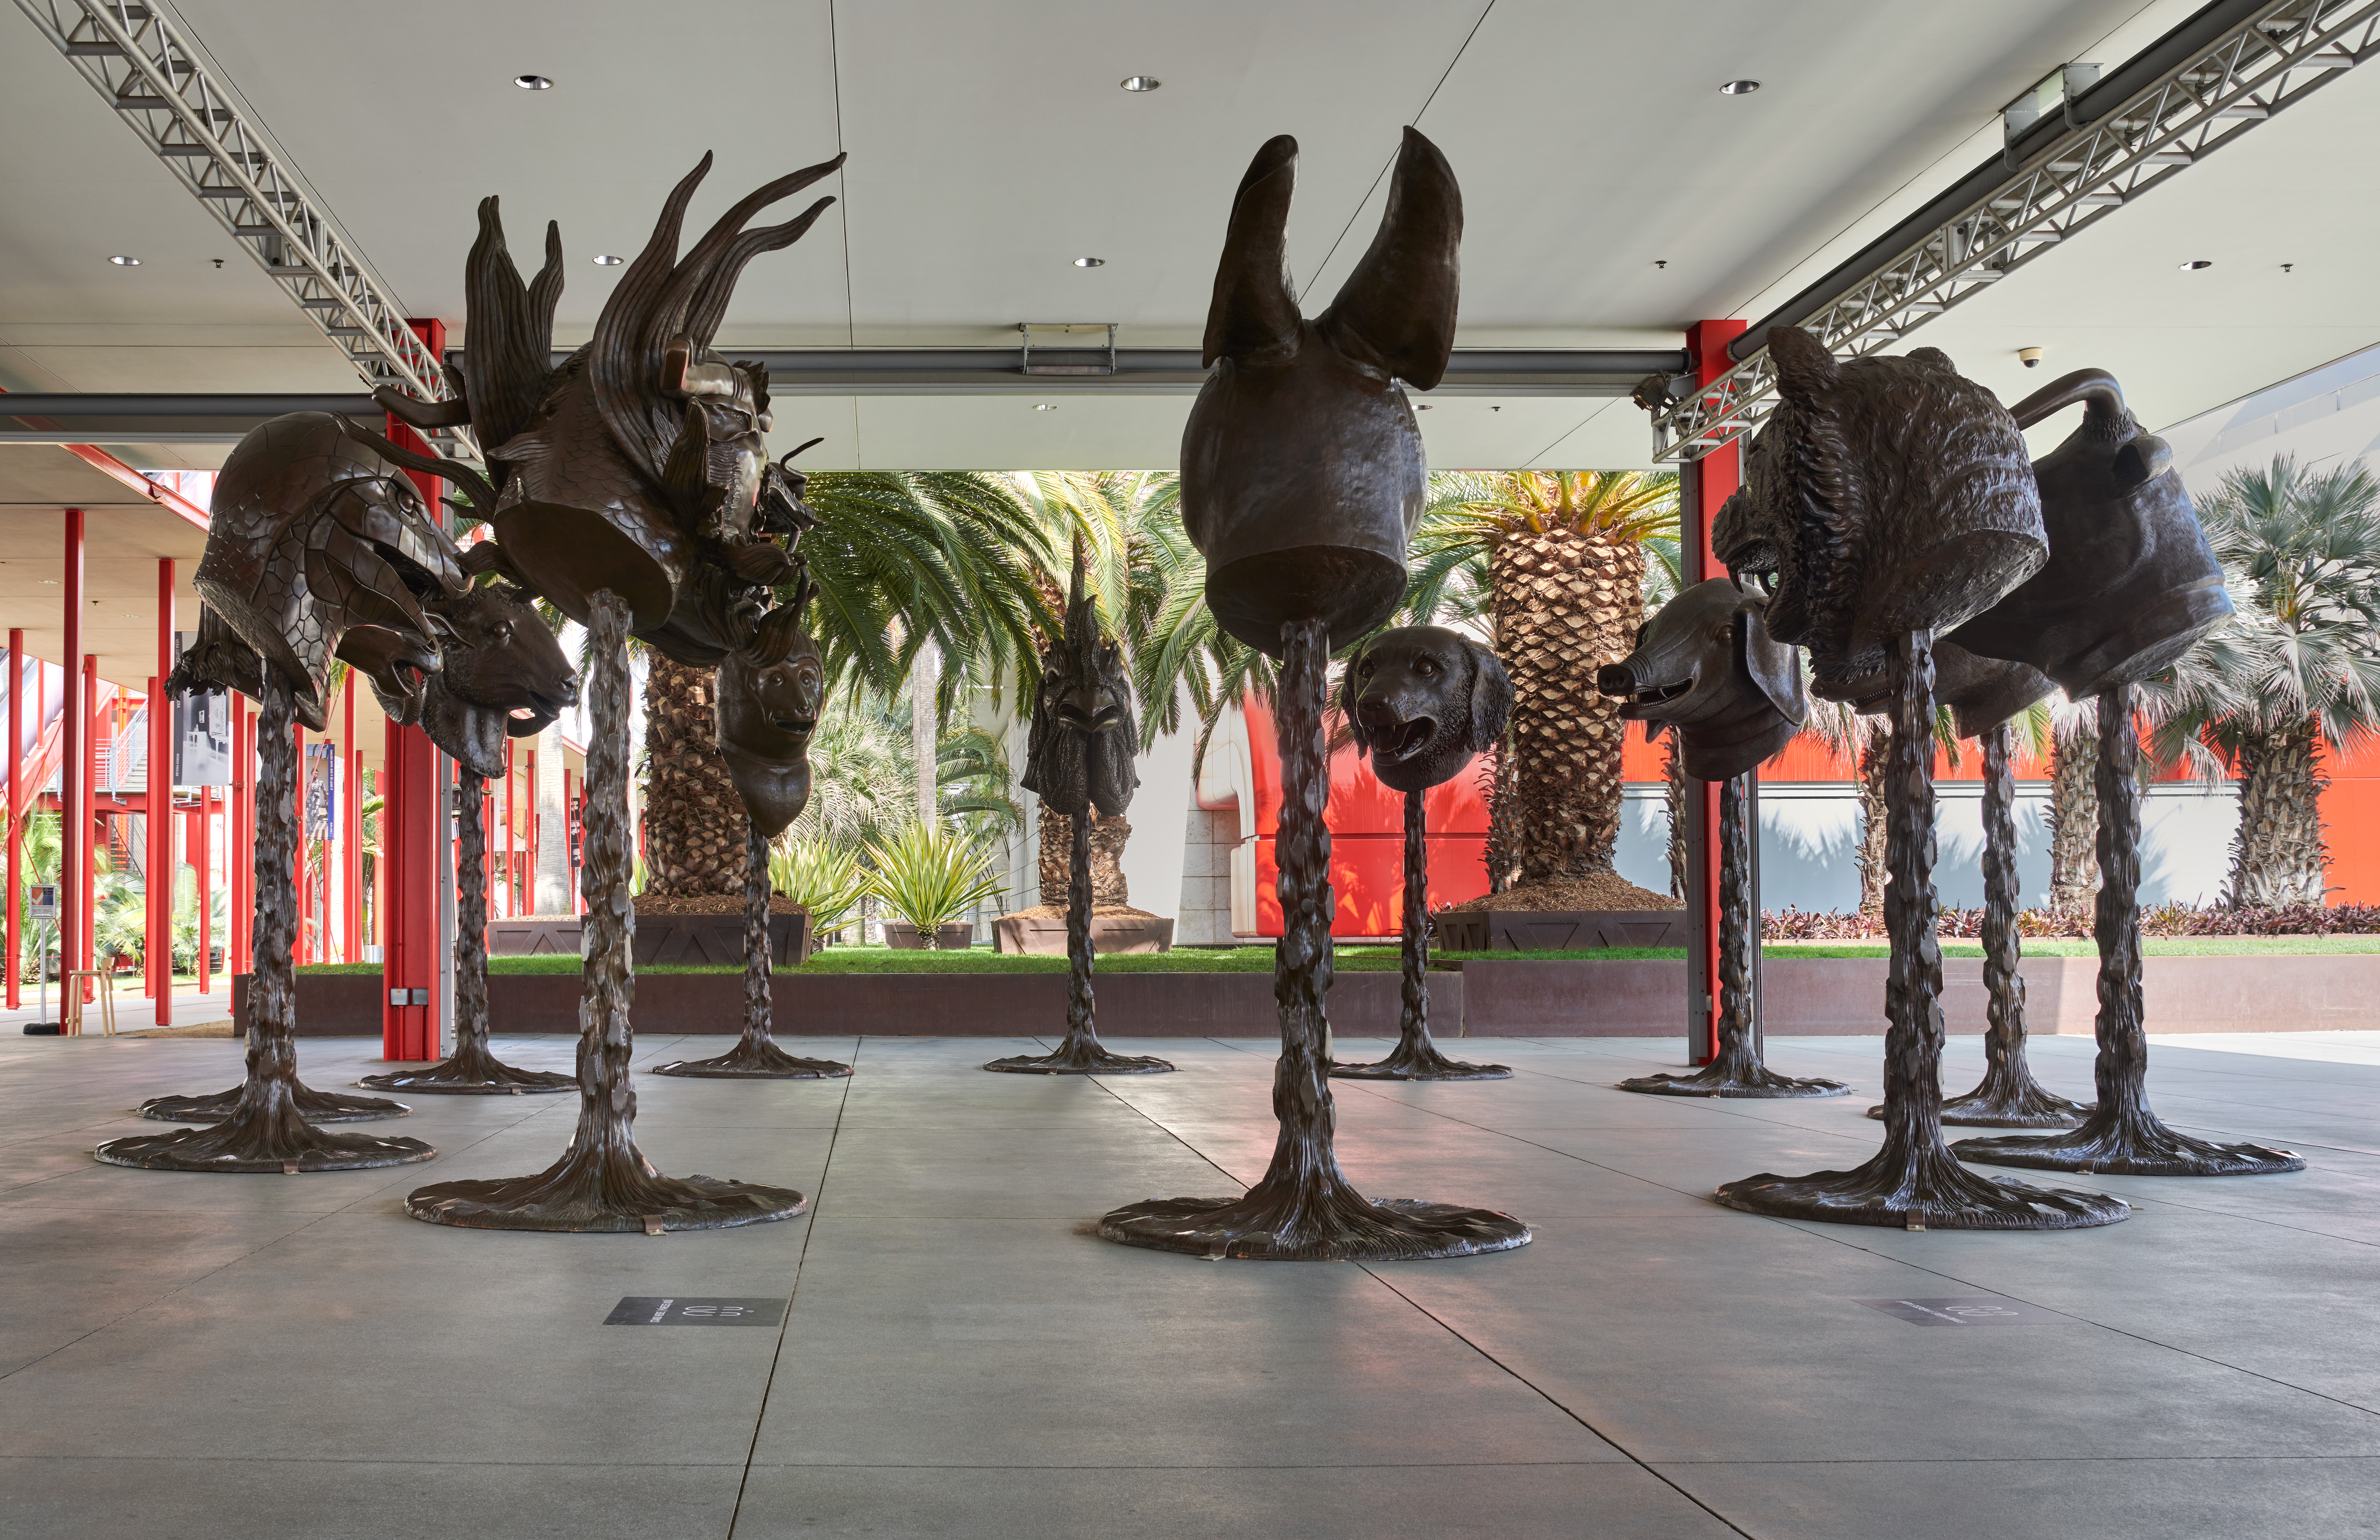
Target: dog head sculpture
{"x":1302,"y":469}
{"x":1884,"y":495}
{"x":1080,"y":751}
{"x":2131,"y":583}
{"x":1421,"y":700}
{"x":766,"y":715}
{"x":504,"y":676}
{"x":1705,"y":664}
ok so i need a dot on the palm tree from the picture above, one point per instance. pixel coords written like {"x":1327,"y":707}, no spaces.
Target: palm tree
{"x":2301,"y":663}
{"x":1560,"y":557}
{"x":2073,"y":804}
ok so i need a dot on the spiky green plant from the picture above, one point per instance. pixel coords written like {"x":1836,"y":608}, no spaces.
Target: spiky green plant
{"x":823,"y":877}
{"x":930,"y":875}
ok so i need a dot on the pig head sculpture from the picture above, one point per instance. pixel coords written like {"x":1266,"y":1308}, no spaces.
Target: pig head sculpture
{"x":1884,"y":495}
{"x":1302,"y":468}
{"x":1707,"y":664}
{"x":765,"y":717}
{"x":1080,"y":751}
{"x":1421,"y":700}
{"x":2131,"y":583}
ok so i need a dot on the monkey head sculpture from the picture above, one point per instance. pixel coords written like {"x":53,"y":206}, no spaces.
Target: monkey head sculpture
{"x":1707,"y":664}
{"x":1883,"y":495}
{"x":1302,"y":468}
{"x":2131,"y":583}
{"x":1079,"y":750}
{"x":504,"y":676}
{"x":638,"y":465}
{"x":319,"y":548}
{"x":765,"y":717}
{"x":1421,"y":700}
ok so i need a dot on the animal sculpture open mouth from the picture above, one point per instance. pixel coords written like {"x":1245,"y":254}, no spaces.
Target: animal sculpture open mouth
{"x":1108,"y":721}
{"x":1404,"y":740}
{"x":1654,"y":694}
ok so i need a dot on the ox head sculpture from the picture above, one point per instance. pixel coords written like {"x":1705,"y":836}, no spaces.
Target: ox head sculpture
{"x":1705,"y":664}
{"x":504,"y":676}
{"x":1421,"y":700}
{"x":766,"y":715}
{"x":2131,"y":583}
{"x":1883,"y":495}
{"x":1080,"y":751}
{"x":1302,"y":468}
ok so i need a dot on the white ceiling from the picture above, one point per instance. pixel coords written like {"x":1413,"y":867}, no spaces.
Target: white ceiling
{"x":989,"y":146}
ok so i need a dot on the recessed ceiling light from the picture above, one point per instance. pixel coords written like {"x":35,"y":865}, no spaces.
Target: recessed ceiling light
{"x":1141,"y":82}
{"x":2199,"y":265}
{"x":1043,"y":406}
{"x":607,"y":259}
{"x":1090,"y":262}
{"x":1738,"y":88}
{"x":126,"y":261}
{"x":532,"y":82}
{"x":1421,"y":405}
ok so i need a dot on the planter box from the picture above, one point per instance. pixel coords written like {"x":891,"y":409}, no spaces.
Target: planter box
{"x":687,"y":939}
{"x":1559,"y":930}
{"x":901,"y":936}
{"x":329,"y":1005}
{"x":1111,"y":935}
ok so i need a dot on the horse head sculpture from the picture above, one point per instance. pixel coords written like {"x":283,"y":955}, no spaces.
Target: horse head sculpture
{"x":1302,"y":469}
{"x":1884,"y":495}
{"x":1421,"y":700}
{"x":1705,"y":664}
{"x":1080,"y":751}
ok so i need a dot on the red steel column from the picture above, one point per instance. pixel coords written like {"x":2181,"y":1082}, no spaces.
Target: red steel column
{"x":202,"y":857}
{"x":1703,"y":485}
{"x":73,"y":834}
{"x":237,"y":876}
{"x":84,"y":814}
{"x":14,"y":960}
{"x":160,"y":800}
{"x":351,"y":837}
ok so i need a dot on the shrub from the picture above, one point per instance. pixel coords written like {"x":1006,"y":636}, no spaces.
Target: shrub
{"x":2164,"y":919}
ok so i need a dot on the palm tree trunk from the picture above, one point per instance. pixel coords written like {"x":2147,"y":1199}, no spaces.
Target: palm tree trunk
{"x":1875,"y":756}
{"x":2277,"y":857}
{"x":1108,"y":889}
{"x":1673,"y":771}
{"x":924,"y":743}
{"x":694,"y":820}
{"x":2073,"y":818}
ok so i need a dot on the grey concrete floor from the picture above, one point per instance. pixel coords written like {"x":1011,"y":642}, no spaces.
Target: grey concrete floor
{"x":261,"y":1356}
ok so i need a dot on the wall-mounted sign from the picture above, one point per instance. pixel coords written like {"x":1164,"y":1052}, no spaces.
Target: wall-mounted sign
{"x":202,"y":732}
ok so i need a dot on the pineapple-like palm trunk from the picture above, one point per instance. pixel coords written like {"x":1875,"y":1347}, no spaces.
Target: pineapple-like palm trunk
{"x":1415,"y":1056}
{"x":1305,"y":1208}
{"x":1080,"y":1053}
{"x":756,"y":1055}
{"x":1913,"y":1180}
{"x":604,"y":1183}
{"x":2122,"y":1137}
{"x":264,"y":1126}
{"x":2073,"y":818}
{"x":2277,"y":856}
{"x":473,"y":1069}
{"x":1737,"y":1069}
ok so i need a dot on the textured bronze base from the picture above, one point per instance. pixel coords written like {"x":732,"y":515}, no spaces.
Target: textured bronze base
{"x":1755,"y":1080}
{"x":315,"y":1107}
{"x":285,"y":1146}
{"x":755,"y":1061}
{"x":1081,"y":1058}
{"x":571,"y":1196}
{"x":1260,"y":1229}
{"x":1422,"y":1062}
{"x":2036,"y":1109}
{"x":1936,"y":1194}
{"x":471,"y":1074}
{"x":2157,"y":1152}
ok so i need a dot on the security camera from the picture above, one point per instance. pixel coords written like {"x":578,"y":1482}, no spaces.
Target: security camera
{"x":2031,"y":356}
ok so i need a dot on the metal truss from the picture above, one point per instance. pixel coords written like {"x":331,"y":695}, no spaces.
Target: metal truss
{"x":140,"y":64}
{"x":2276,"y":55}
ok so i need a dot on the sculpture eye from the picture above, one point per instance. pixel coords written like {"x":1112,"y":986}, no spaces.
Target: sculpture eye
{"x":1425,"y":667}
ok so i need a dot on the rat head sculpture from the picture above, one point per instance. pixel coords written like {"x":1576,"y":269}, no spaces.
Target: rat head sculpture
{"x":638,"y":465}
{"x":504,"y":676}
{"x":1707,"y":664}
{"x":1883,"y":495}
{"x":1302,"y":468}
{"x":1080,"y":751}
{"x":2131,"y":583}
{"x":320,"y":548}
{"x":765,"y":717}
{"x":1421,"y":700}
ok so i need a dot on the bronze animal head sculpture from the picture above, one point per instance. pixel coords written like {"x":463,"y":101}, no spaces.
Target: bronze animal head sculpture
{"x":1302,"y":468}
{"x":1705,"y":664}
{"x":504,"y":676}
{"x":765,"y":717}
{"x":638,"y":465}
{"x":1079,"y":750}
{"x":2131,"y":583}
{"x":320,"y":548}
{"x":1421,"y":700}
{"x":1884,"y":495}
{"x":1980,"y":692}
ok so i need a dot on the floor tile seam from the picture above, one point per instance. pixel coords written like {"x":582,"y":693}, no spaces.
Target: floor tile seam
{"x":792,"y":1290}
{"x":1296,"y":1465}
{"x":2156,"y":1200}
{"x":1607,"y":1440}
{"x":123,"y":1457}
{"x":1101,"y":1081}
{"x":2037,"y":1460}
{"x":440,"y":1152}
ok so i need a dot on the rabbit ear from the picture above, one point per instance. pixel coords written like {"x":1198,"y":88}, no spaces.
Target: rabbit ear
{"x":1255,"y":311}
{"x":1396,"y":311}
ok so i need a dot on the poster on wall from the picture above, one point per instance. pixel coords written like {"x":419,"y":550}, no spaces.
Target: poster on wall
{"x":202,"y":732}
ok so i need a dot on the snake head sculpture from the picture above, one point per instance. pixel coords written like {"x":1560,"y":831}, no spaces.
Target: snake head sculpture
{"x":1421,"y":700}
{"x":766,"y":714}
{"x":1707,"y":664}
{"x":320,"y":548}
{"x":504,"y":676}
{"x":1884,"y":495}
{"x":638,"y":465}
{"x":2131,"y":583}
{"x":1302,"y":468}
{"x":1079,"y":750}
